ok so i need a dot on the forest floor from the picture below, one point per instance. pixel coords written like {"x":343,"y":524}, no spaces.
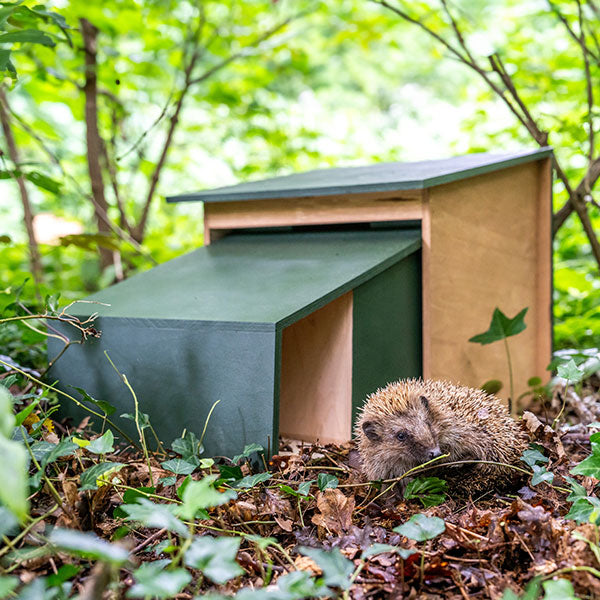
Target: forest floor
{"x":315,"y":498}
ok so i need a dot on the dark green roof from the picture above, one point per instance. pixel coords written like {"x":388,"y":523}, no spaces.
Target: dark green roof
{"x":382,"y":177}
{"x":257,"y":281}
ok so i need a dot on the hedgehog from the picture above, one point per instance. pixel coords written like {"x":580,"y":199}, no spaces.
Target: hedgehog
{"x":412,"y":421}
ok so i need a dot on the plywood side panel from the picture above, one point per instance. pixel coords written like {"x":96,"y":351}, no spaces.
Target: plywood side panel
{"x":315,"y":400}
{"x":544,"y":264}
{"x":484,"y":252}
{"x":387,"y":329}
{"x":359,"y":208}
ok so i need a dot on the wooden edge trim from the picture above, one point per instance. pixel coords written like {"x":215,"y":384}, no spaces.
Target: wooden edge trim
{"x":544,"y":268}
{"x":425,"y":284}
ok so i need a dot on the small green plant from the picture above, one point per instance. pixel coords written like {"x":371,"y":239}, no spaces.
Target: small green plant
{"x":501,"y":328}
{"x":430,"y":491}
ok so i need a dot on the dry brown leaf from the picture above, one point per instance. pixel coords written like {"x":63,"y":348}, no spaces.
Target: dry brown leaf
{"x":305,"y":563}
{"x":335,"y":511}
{"x":285,"y":524}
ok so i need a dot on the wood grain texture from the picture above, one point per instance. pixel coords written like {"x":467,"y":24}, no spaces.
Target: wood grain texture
{"x":359,"y":208}
{"x":544,"y":264}
{"x":485,"y":251}
{"x":316,"y":375}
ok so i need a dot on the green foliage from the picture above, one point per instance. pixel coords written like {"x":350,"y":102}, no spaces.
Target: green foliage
{"x":88,"y":545}
{"x":327,"y":481}
{"x":430,"y":491}
{"x":570,"y":371}
{"x":215,"y":557}
{"x":98,"y":474}
{"x":103,"y":444}
{"x":532,"y":456}
{"x":200,"y":495}
{"x":420,"y":527}
{"x":558,"y":589}
{"x":336,"y":568}
{"x":248,"y":451}
{"x":151,"y":514}
{"x":14,"y":462}
{"x":501,"y":327}
{"x":152,"y":580}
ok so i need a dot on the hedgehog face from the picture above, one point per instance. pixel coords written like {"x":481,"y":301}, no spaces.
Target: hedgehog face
{"x":410,"y":435}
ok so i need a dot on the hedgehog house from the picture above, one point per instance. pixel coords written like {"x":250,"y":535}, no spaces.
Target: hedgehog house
{"x":315,"y":289}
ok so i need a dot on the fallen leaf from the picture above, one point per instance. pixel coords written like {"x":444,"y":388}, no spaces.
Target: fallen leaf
{"x":335,"y":511}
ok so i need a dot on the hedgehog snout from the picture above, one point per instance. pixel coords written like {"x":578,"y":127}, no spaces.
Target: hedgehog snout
{"x":434,"y":453}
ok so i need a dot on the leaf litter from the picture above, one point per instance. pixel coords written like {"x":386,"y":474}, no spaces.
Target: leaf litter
{"x":108,"y":522}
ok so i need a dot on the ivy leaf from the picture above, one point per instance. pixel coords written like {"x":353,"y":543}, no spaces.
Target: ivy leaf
{"x":143,"y":418}
{"x":153,"y":581}
{"x":299,"y":584}
{"x":326,"y":481}
{"x":590,"y":466}
{"x":230,"y":473}
{"x":215,"y":557}
{"x":336,"y":568}
{"x":188,"y":446}
{"x":96,"y":476}
{"x":251,"y":480}
{"x":577,"y":490}
{"x":570,"y":371}
{"x":8,"y":522}
{"x":64,"y":448}
{"x":501,"y":327}
{"x":151,"y":514}
{"x":103,"y":444}
{"x":179,"y":466}
{"x":107,"y":408}
{"x":532,"y":457}
{"x":584,"y":510}
{"x":558,"y":589}
{"x":247,"y":452}
{"x":540,"y":474}
{"x":201,"y":495}
{"x":63,"y":574}
{"x":88,"y":545}
{"x":420,"y":527}
{"x":376,"y":549}
{"x":302,"y":491}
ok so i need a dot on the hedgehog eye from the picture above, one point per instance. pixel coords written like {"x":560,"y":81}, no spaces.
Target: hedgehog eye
{"x":401,"y":436}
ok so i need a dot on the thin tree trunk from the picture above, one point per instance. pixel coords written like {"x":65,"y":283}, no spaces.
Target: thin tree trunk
{"x":34,"y":253}
{"x":93,"y":140}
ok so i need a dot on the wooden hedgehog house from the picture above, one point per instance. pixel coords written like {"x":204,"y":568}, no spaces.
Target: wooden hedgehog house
{"x":317,"y":288}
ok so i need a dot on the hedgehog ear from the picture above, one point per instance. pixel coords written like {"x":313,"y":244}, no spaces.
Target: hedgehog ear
{"x":424,"y":402}
{"x":370,"y":429}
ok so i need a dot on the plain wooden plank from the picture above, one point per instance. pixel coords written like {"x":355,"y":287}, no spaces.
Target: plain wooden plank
{"x":315,"y":400}
{"x":544,"y":262}
{"x":484,"y":252}
{"x":360,"y":208}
